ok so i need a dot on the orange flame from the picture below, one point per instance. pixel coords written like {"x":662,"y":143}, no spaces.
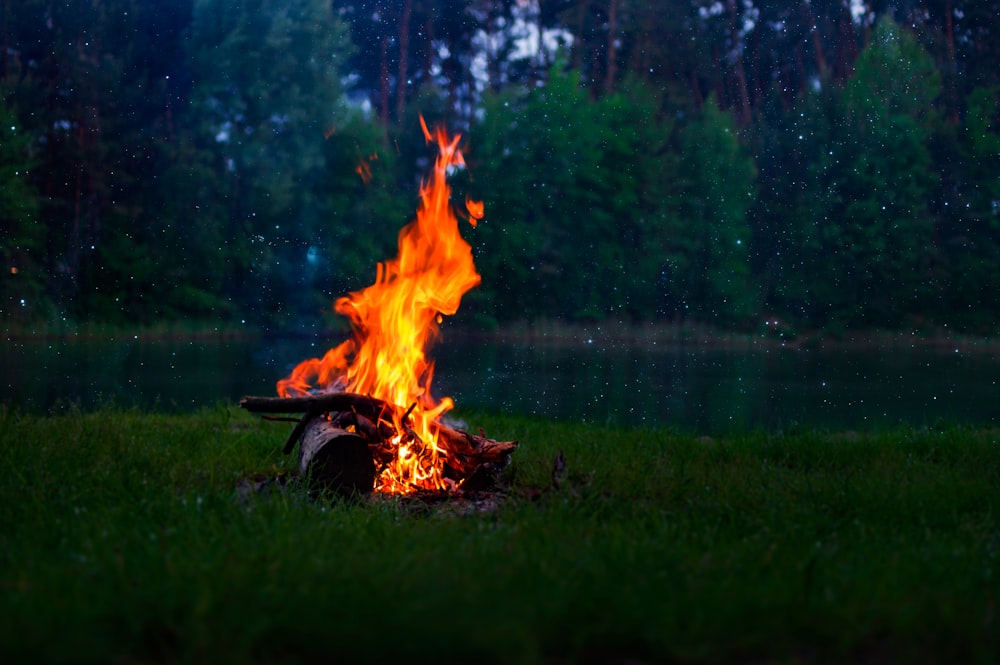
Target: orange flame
{"x":475,"y":209}
{"x":393,"y":321}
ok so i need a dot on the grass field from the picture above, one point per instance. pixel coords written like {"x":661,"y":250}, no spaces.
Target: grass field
{"x":125,"y":537}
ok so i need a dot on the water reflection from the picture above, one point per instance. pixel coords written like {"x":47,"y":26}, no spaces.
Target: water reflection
{"x":716,"y":390}
{"x":706,"y":390}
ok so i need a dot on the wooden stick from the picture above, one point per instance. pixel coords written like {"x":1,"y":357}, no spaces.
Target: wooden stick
{"x":313,"y":406}
{"x":312,"y":403}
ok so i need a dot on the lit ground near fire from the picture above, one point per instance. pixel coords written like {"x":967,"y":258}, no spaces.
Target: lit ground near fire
{"x":126,"y":537}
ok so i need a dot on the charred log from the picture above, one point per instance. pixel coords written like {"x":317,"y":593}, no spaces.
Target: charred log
{"x":334,"y":459}
{"x":314,"y":403}
{"x":345,"y":439}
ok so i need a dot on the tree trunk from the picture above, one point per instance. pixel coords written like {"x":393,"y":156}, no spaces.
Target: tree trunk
{"x":581,"y":22}
{"x":816,"y":41}
{"x":384,"y":81}
{"x":951,"y":78}
{"x":611,"y":72}
{"x":404,"y":59}
{"x":699,"y":99}
{"x":847,"y":45}
{"x":739,"y":75}
{"x":4,"y":40}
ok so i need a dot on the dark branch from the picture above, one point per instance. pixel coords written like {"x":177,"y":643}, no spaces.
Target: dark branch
{"x":312,"y":403}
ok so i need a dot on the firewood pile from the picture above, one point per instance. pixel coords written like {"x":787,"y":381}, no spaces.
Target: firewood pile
{"x":346,"y":439}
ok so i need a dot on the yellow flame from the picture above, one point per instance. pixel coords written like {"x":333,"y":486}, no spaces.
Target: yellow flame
{"x":394,"y":320}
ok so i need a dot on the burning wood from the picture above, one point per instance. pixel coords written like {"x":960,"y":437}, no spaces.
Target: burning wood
{"x":370,"y":422}
{"x":347,"y":441}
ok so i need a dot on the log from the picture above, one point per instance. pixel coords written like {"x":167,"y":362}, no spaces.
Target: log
{"x":334,"y":459}
{"x":468,"y":451}
{"x":314,"y":403}
{"x":361,"y":425}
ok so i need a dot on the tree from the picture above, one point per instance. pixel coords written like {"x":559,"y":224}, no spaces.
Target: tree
{"x":372,"y":192}
{"x":267,"y":92}
{"x":537,"y":151}
{"x":90,"y":80}
{"x":711,"y":272}
{"x":970,"y":226}
{"x":22,"y":293}
{"x":577,"y":200}
{"x":800,"y":153}
{"x":888,"y":229}
{"x":846,"y":206}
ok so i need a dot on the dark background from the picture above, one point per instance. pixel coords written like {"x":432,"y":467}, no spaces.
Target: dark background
{"x":752,"y":164}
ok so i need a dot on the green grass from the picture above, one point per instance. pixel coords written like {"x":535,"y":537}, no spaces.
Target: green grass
{"x":123,"y":538}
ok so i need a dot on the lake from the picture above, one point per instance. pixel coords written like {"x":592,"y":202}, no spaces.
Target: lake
{"x":691,"y":388}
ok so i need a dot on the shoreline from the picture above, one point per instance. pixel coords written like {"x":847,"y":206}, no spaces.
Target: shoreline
{"x":548,"y":333}
{"x":701,"y":336}
{"x":172,"y":331}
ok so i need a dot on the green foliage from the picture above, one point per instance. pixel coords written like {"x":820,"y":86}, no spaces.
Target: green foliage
{"x":573,"y":190}
{"x":267,"y":91}
{"x":91,"y":82}
{"x":981,"y":147}
{"x":371,"y":199}
{"x":538,"y":164}
{"x":847,"y":209}
{"x":970,"y":224}
{"x":799,"y":161}
{"x":197,"y":159}
{"x":191,"y":249}
{"x":716,"y":191}
{"x":894,"y":76}
{"x":887,"y":227}
{"x":22,"y":280}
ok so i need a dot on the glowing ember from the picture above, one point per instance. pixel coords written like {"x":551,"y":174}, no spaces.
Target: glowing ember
{"x":364,"y":168}
{"x":394,"y":320}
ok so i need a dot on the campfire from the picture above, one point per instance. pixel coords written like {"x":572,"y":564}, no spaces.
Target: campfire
{"x":370,"y":422}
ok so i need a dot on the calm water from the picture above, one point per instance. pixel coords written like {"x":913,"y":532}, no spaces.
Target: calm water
{"x":689,"y":388}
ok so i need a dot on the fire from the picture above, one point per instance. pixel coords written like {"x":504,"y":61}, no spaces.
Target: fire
{"x":394,"y":320}
{"x":475,"y":209}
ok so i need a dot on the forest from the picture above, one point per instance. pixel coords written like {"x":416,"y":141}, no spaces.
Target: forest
{"x":791,"y":165}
